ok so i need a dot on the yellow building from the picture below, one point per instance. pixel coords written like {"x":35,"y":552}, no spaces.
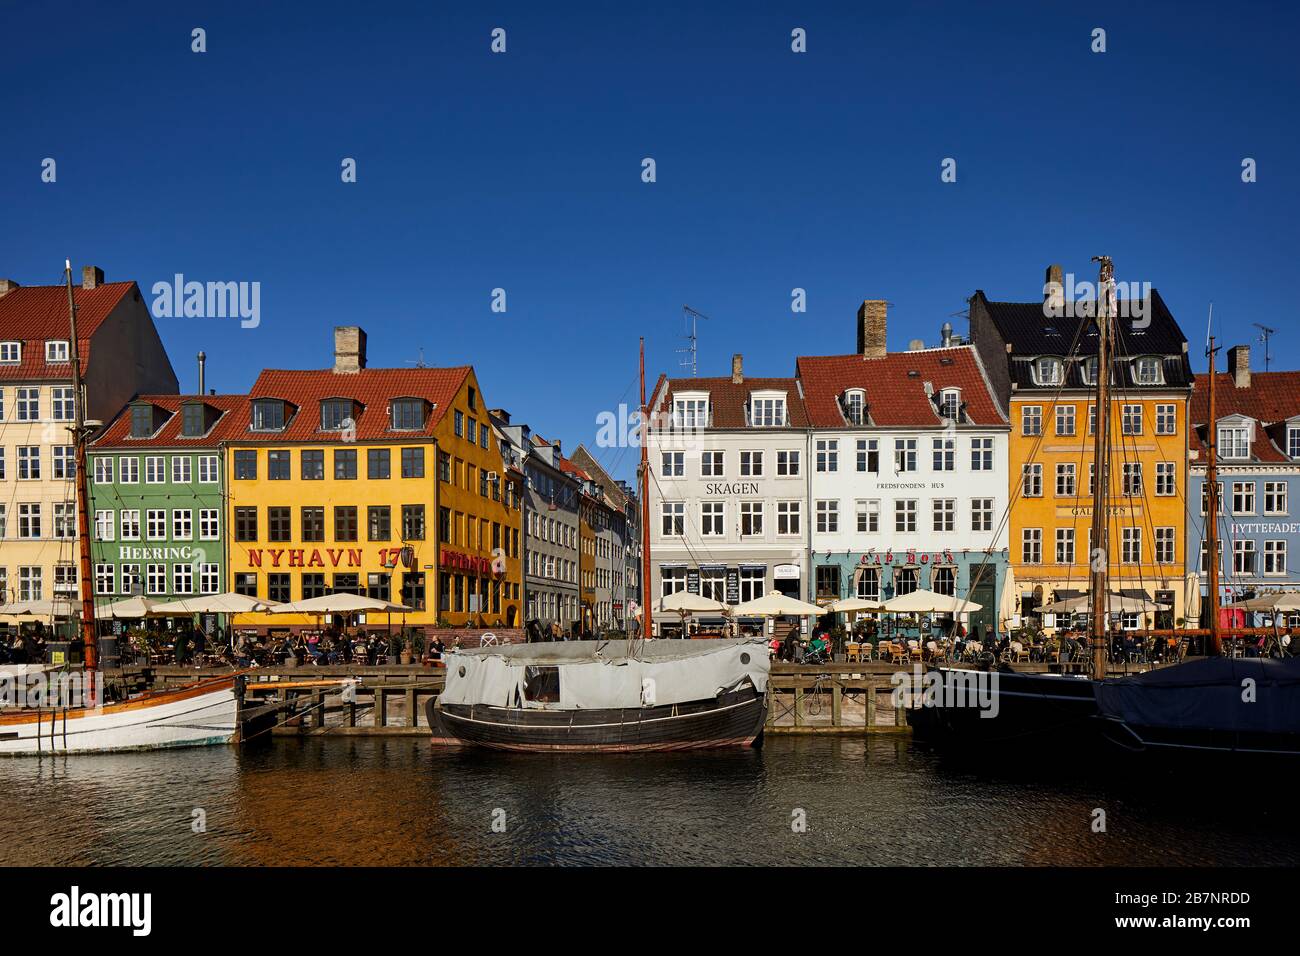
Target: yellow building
{"x":1049,"y":389}
{"x":385,"y":482}
{"x":121,"y":355}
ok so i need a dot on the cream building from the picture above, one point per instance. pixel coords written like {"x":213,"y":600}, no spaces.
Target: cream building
{"x":121,"y":354}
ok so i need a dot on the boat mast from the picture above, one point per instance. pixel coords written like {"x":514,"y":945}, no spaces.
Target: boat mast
{"x":79,"y":435}
{"x":1100,"y":557}
{"x":1214,"y":647}
{"x":644,"y":482}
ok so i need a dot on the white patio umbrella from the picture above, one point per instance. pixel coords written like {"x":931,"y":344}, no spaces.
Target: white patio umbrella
{"x":45,"y":608}
{"x":1269,"y":603}
{"x":1007,"y":608}
{"x":1115,"y":604}
{"x":134,"y":608}
{"x":776,"y":604}
{"x":849,"y":605}
{"x":228,"y":603}
{"x":684,"y":602}
{"x":341,"y":603}
{"x":930,"y":602}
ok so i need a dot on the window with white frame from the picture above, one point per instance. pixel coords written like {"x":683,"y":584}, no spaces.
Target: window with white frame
{"x":105,"y":525}
{"x":1064,"y":420}
{"x":671,"y":580}
{"x":182,"y":579}
{"x":1243,"y":556}
{"x":1243,"y":497}
{"x":209,"y":579}
{"x":1205,"y":550}
{"x":945,"y":514}
{"x":751,"y":583}
{"x":788,"y":517}
{"x":1032,"y":480}
{"x":156,"y":578}
{"x":1132,"y":479}
{"x":29,"y":404}
{"x":868,"y":455}
{"x":904,"y":455}
{"x":1147,"y":370}
{"x":1166,"y":420}
{"x":1205,"y":497}
{"x":1031,"y":546}
{"x":65,"y":519}
{"x":29,"y":462}
{"x":129,"y":524}
{"x":56,"y":351}
{"x":61,"y":406}
{"x":868,"y":512}
{"x":183,"y":524}
{"x":712,"y":515}
{"x":1166,"y":545}
{"x":128,"y":471}
{"x":674,"y":518}
{"x":65,"y":462}
{"x":854,"y":402}
{"x":105,"y":579}
{"x":1293,"y":441}
{"x":950,"y":404}
{"x":767,"y":411}
{"x":981,"y":514}
{"x":1031,"y":419}
{"x":1275,"y":557}
{"x":828,"y":455}
{"x":751,"y":464}
{"x":981,"y":454}
{"x":787,"y":463}
{"x":155,"y":470}
{"x":1275,"y":502}
{"x":905,"y":515}
{"x":1065,"y":480}
{"x":1131,"y":419}
{"x":11,"y":353}
{"x":691,"y":412}
{"x":103,"y":471}
{"x":751,"y":518}
{"x":711,"y":464}
{"x":1234,"y":441}
{"x":1065,"y":546}
{"x":30,"y":583}
{"x":869,"y":584}
{"x":1131,"y":546}
{"x":209,"y":524}
{"x":155,"y":527}
{"x":828,"y":516}
{"x":1166,"y":479}
{"x":1048,"y":371}
{"x":181,"y":469}
{"x":673,"y":464}
{"x":208,"y":469}
{"x":945,"y":454}
{"x":132,"y":580}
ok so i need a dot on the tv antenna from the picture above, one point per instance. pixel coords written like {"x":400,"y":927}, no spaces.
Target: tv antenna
{"x":691,"y":318}
{"x":418,"y":363}
{"x":1265,"y":333}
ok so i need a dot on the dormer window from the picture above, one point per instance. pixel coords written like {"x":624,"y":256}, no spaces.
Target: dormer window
{"x":268,"y":415}
{"x":691,"y":411}
{"x":1147,"y":370}
{"x":855,"y":401}
{"x":766,"y":410}
{"x":1088,"y":369}
{"x":407,"y":414}
{"x":56,"y":351}
{"x":11,"y":353}
{"x":950,"y":404}
{"x":1293,"y":441}
{"x":335,"y":414}
{"x":1048,"y":371}
{"x":194,"y":420}
{"x":1234,"y":441}
{"x":144,"y":422}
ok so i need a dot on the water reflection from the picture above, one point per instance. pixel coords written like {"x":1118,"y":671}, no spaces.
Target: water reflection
{"x":399,"y":801}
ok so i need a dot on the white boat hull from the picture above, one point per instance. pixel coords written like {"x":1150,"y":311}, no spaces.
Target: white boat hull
{"x":201,"y":715}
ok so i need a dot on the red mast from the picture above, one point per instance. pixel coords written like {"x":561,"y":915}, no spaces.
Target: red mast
{"x":91,"y":649}
{"x":646,"y":622}
{"x":1215,"y":646}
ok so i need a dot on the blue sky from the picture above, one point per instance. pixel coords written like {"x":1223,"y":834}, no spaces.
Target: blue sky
{"x":522,"y":171}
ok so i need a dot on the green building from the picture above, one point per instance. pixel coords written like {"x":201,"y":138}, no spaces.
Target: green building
{"x":156,"y":498}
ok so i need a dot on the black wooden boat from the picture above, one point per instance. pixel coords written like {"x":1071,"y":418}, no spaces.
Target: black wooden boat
{"x":604,"y":696}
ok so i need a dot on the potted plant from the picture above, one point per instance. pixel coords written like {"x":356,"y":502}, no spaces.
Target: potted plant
{"x":403,"y":650}
{"x":417,"y":645}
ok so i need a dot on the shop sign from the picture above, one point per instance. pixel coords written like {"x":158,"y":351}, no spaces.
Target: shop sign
{"x":910,"y":556}
{"x":303,"y":558}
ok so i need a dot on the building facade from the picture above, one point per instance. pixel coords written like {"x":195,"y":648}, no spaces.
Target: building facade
{"x":622,"y":547}
{"x":1258,"y":431}
{"x":1043,"y":364}
{"x":384,"y":482}
{"x":121,"y":356}
{"x":907,"y":459}
{"x":729,"y":489}
{"x":157,"y":499}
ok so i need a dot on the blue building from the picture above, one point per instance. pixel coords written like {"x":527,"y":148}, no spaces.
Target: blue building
{"x":1258,"y":432}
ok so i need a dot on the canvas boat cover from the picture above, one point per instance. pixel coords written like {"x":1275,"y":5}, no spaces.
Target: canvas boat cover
{"x":600,"y":674}
{"x":1209,"y":694}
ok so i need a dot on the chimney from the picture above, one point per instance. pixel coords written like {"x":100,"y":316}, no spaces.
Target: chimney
{"x":7,"y":286}
{"x":871,"y":328}
{"x":945,"y":334}
{"x":737,"y":369}
{"x":1054,"y":289}
{"x":92,"y":277}
{"x":349,"y":349}
{"x":1239,"y":365}
{"x":203,"y":362}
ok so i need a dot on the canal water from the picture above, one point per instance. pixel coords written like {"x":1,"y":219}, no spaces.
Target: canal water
{"x":378,"y":801}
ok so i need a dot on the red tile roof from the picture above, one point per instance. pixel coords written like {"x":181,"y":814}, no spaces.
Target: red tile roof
{"x":727,"y":400}
{"x":894,"y":395}
{"x":118,"y":432}
{"x":372,"y":388}
{"x":39,"y":313}
{"x":1271,"y":399}
{"x":571,"y":468}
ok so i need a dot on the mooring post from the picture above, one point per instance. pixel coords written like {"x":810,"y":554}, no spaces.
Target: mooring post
{"x":381,"y":707}
{"x":798,"y":705}
{"x":871,"y":704}
{"x":412,"y":715}
{"x":836,"y":691}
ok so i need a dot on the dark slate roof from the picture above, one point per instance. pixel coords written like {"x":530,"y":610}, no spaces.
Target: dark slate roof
{"x":1030,"y":333}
